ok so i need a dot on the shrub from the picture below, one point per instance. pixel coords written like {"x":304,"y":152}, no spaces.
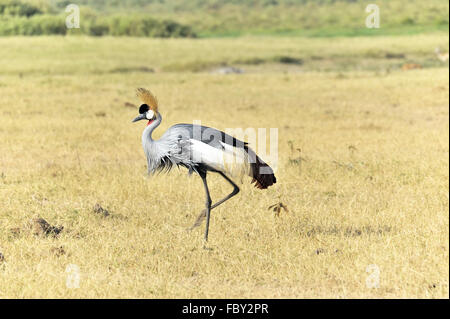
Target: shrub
{"x":16,"y":8}
{"x":36,"y":25}
{"x":137,"y":26}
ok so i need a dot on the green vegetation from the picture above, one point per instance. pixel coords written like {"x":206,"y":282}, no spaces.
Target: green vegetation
{"x":16,"y":8}
{"x":212,"y":18}
{"x":20,"y":18}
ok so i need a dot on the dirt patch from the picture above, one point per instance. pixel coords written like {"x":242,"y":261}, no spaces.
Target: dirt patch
{"x":40,"y":227}
{"x":130,"y":105}
{"x":58,"y":251}
{"x":142,"y":69}
{"x":98,"y":209}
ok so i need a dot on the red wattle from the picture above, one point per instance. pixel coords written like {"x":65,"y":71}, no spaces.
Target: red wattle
{"x":150,"y":122}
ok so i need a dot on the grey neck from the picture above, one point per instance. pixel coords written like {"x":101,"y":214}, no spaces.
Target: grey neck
{"x":147,"y":134}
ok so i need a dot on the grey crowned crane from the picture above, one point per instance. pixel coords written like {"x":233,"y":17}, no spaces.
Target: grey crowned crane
{"x":200,"y":149}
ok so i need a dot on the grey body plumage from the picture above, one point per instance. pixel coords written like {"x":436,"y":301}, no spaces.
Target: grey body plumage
{"x":173,"y":148}
{"x":175,"y":145}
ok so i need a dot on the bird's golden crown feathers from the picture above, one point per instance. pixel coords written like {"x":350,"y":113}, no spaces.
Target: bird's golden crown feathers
{"x":148,"y":98}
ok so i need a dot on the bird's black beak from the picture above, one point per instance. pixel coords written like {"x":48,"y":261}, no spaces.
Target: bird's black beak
{"x":139,"y":118}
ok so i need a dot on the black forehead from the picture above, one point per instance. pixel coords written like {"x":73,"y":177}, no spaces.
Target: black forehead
{"x":143,"y":108}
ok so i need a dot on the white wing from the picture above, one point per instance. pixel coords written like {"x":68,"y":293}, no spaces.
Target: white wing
{"x":208,"y":155}
{"x":230,"y":160}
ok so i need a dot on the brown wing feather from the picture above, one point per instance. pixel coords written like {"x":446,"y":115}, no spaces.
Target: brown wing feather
{"x":261,"y":173}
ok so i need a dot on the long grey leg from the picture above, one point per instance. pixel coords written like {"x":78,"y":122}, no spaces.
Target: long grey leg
{"x":208,"y":204}
{"x":202,"y":215}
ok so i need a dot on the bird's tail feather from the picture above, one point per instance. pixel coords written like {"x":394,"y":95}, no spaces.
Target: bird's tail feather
{"x":261,"y":173}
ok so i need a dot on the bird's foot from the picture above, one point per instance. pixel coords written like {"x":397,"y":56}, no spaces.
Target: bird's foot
{"x":207,"y":248}
{"x":199,"y":220}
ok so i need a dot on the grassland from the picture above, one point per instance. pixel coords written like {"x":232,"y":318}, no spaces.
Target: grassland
{"x":370,"y":186}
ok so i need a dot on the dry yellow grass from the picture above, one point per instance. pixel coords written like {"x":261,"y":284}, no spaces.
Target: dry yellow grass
{"x":373,"y":188}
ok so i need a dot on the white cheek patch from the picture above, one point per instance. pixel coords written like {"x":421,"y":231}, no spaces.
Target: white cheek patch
{"x":149,"y":115}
